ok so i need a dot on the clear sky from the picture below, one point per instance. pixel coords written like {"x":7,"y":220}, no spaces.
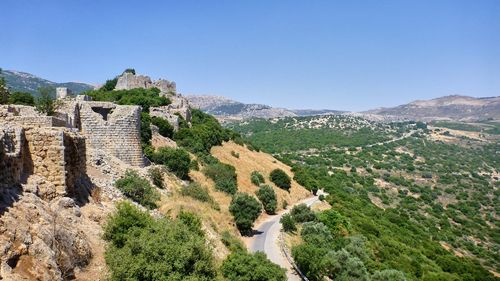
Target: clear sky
{"x":350,"y":55}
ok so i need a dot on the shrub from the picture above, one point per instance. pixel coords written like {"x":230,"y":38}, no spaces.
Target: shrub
{"x":316,"y":233}
{"x":251,"y":267}
{"x":177,"y":160}
{"x":308,"y":258}
{"x":267,"y":197}
{"x":280,"y":179}
{"x":163,"y":249}
{"x":337,"y":223}
{"x":257,"y":178}
{"x":200,"y":193}
{"x":138,"y":189}
{"x":232,"y":242}
{"x":164,"y":127}
{"x":224,"y":176}
{"x":288,"y":223}
{"x":245,"y":210}
{"x":125,"y":218}
{"x":156,"y":175}
{"x":204,"y":133}
{"x":302,"y":213}
{"x":21,"y":98}
{"x":46,"y":103}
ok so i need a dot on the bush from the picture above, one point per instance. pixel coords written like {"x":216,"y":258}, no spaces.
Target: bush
{"x":177,"y":160}
{"x":156,"y":175}
{"x":138,"y":189}
{"x":280,"y":179}
{"x":200,"y":193}
{"x":302,"y":213}
{"x":162,"y":249}
{"x":257,"y":178}
{"x":288,"y":223}
{"x":316,"y":233}
{"x":21,"y":98}
{"x":224,"y":176}
{"x":267,"y":197}
{"x":245,"y":210}
{"x":125,"y":218}
{"x":204,"y":133}
{"x":232,"y":242}
{"x":251,"y":267}
{"x":337,"y":223}
{"x":164,"y":127}
{"x":46,"y":103}
{"x":308,"y":258}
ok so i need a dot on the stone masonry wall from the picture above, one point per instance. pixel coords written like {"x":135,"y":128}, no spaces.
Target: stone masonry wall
{"x":46,"y":159}
{"x":11,"y":146}
{"x":114,"y":129}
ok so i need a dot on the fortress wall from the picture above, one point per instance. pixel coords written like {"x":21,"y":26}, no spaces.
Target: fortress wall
{"x":114,"y":129}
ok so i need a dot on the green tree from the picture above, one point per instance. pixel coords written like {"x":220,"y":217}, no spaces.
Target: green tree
{"x":308,"y":259}
{"x":288,"y":223}
{"x":164,"y":127}
{"x":257,"y":178}
{"x":138,"y":189}
{"x":341,"y":265}
{"x":245,"y":210}
{"x":316,"y":233}
{"x":243,"y":266}
{"x":302,"y":213}
{"x":337,"y":223}
{"x":224,"y":176}
{"x":4,"y":91}
{"x":21,"y":98}
{"x":46,"y":103}
{"x":280,"y":179}
{"x":267,"y":197}
{"x":177,"y":160}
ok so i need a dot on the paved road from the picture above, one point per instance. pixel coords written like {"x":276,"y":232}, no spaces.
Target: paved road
{"x":267,"y":240}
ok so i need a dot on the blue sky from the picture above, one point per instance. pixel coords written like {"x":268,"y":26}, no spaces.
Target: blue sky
{"x":351,"y":55}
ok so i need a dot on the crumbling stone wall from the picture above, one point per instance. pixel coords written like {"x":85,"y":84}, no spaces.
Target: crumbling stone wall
{"x":128,"y":81}
{"x":114,"y":129}
{"x":46,"y":159}
{"x":11,"y":164}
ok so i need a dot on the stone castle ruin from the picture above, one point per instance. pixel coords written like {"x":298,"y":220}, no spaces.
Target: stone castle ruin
{"x":50,"y":165}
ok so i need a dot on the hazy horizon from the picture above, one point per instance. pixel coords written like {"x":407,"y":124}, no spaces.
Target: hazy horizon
{"x":350,"y":56}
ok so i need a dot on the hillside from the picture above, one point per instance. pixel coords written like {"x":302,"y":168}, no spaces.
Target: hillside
{"x":458,"y":108}
{"x":227,"y":109}
{"x":404,"y":191}
{"x":26,"y":82}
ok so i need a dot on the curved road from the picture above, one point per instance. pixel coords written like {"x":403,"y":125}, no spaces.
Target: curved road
{"x":267,"y":238}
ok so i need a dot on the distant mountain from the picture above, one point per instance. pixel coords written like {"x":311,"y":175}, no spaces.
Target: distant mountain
{"x":455,"y":107}
{"x":26,"y":82}
{"x":225,"y":108}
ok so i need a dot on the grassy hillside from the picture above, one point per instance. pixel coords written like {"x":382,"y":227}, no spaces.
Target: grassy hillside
{"x":424,"y":200}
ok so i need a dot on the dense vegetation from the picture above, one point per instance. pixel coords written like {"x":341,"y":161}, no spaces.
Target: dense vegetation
{"x":407,"y":195}
{"x":143,"y":248}
{"x":177,"y":160}
{"x":138,"y":189}
{"x":241,"y":266}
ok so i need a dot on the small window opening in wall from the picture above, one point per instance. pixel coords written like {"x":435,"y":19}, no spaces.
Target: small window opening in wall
{"x":103,"y":111}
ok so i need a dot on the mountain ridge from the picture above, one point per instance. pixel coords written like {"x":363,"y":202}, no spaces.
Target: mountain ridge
{"x":26,"y":82}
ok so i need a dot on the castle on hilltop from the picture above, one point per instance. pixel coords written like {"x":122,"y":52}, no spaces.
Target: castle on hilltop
{"x":58,"y":148}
